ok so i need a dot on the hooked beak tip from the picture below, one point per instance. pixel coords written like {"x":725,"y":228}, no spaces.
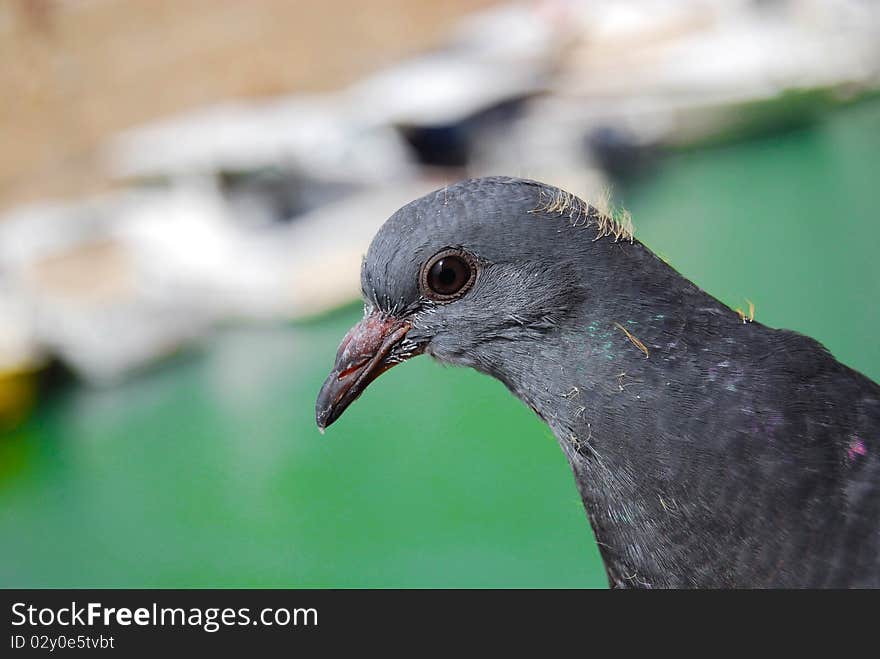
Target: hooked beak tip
{"x":327,"y":406}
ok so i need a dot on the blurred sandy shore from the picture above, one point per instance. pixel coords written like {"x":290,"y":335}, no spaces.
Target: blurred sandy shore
{"x":75,"y":71}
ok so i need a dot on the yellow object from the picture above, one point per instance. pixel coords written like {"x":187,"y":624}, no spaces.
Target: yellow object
{"x":18,"y":393}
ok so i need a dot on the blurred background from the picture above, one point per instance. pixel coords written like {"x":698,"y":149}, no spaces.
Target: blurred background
{"x":186,"y":191}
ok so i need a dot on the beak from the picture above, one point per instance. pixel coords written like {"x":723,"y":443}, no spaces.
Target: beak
{"x":363,"y":355}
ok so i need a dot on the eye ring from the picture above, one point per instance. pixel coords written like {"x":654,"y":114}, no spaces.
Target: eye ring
{"x":448,"y":275}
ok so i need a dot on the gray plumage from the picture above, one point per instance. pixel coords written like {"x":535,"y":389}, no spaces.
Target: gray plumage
{"x":730,"y":455}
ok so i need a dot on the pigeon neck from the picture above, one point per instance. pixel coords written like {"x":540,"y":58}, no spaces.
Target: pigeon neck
{"x":601,"y":382}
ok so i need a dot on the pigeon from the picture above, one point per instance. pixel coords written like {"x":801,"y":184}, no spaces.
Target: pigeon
{"x":710,"y":451}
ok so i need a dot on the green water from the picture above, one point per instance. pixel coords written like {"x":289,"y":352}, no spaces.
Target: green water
{"x":209,"y":471}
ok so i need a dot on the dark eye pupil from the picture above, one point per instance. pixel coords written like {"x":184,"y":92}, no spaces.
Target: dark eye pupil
{"x":448,"y":275}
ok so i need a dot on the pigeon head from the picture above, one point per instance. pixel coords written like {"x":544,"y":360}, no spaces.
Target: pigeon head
{"x":472,"y":274}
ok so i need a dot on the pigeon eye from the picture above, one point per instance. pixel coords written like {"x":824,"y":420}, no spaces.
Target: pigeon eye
{"x":448,"y":275}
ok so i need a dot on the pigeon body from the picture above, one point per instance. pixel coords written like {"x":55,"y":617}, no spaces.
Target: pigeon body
{"x":708,"y":451}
